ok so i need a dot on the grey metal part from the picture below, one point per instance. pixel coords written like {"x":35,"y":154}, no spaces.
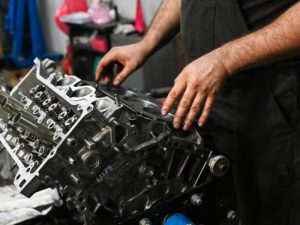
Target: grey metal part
{"x":99,"y":146}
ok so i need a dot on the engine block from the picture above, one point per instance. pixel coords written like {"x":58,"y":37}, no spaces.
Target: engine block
{"x":102,"y":147}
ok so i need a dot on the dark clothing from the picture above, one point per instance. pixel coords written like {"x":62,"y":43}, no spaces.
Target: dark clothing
{"x":258,"y":13}
{"x":255,"y":118}
{"x":207,"y":24}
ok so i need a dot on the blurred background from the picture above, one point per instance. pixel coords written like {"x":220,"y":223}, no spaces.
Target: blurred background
{"x":77,"y":33}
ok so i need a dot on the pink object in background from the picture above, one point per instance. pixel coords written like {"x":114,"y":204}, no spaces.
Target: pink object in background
{"x":100,"y":13}
{"x":68,"y":7}
{"x":139,"y":23}
{"x":100,"y":44}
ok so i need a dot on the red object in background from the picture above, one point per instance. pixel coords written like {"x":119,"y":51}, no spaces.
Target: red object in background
{"x":66,"y":63}
{"x":68,"y":7}
{"x":139,"y":23}
{"x":100,"y":44}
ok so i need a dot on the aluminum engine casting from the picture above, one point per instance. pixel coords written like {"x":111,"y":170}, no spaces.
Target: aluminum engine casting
{"x":102,"y":147}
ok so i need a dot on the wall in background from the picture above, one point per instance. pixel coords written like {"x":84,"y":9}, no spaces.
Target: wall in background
{"x":127,"y":8}
{"x":56,"y":40}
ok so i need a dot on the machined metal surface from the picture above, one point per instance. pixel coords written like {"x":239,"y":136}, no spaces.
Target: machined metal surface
{"x":102,"y":147}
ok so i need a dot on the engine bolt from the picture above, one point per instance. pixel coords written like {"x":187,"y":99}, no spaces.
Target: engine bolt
{"x":149,"y":171}
{"x":232,"y":215}
{"x":71,"y":142}
{"x":145,"y":221}
{"x":197,"y":199}
{"x":219,"y":165}
{"x":75,"y":178}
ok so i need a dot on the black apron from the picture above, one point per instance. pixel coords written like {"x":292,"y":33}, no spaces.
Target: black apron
{"x":254,"y":120}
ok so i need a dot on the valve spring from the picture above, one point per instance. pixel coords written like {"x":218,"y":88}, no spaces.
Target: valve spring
{"x":36,"y":89}
{"x":40,"y":96}
{"x":65,"y":115}
{"x":30,"y":137}
{"x":62,"y":117}
{"x":54,"y":110}
{"x":48,"y":102}
{"x":69,"y":123}
{"x":69,"y":113}
{"x":43,"y":151}
{"x":37,"y":144}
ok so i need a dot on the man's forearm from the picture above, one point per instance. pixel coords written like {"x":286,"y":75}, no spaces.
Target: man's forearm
{"x":280,"y":39}
{"x":164,"y":26}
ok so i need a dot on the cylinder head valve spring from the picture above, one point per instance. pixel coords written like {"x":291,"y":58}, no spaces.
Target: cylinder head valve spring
{"x":62,"y":117}
{"x":26,"y":135}
{"x":40,"y":96}
{"x":29,"y":136}
{"x":43,"y":151}
{"x":37,"y":144}
{"x":54,"y":110}
{"x":69,"y":122}
{"x":36,"y":89}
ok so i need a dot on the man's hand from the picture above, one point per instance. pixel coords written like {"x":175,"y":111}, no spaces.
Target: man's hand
{"x":165,"y":25}
{"x":200,"y":81}
{"x":129,"y":58}
{"x":198,"y":85}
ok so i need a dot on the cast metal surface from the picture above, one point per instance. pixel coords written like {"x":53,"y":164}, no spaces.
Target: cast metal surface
{"x":102,"y":147}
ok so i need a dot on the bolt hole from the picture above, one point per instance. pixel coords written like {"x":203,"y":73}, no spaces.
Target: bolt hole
{"x":24,"y":99}
{"x":36,"y":111}
{"x":22,"y":183}
{"x":90,"y":108}
{"x":51,"y":125}
{"x":81,"y":199}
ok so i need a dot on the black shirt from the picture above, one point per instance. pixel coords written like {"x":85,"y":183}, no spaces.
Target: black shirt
{"x":258,"y":13}
{"x":208,"y":24}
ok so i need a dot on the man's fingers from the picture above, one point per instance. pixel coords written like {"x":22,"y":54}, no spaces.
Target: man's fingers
{"x":122,"y":75}
{"x":173,"y":96}
{"x":109,"y":58}
{"x":194,"y":111}
{"x":183,"y":106}
{"x":106,"y":79}
{"x":99,"y":70}
{"x":207,"y":109}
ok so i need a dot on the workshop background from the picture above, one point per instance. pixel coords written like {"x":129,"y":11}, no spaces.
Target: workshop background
{"x":82,"y":47}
